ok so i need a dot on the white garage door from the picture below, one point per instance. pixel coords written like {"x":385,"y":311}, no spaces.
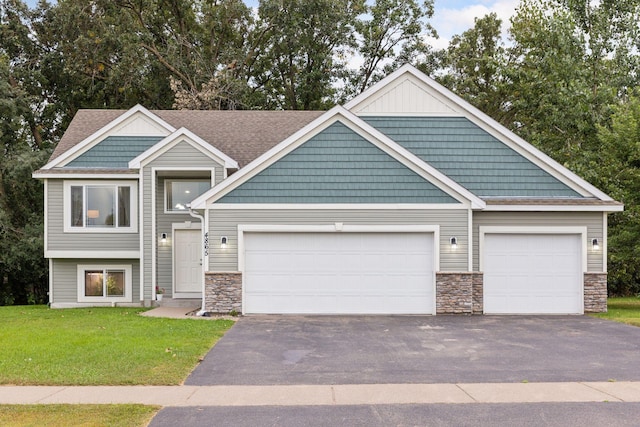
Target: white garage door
{"x":339,"y":273}
{"x":532,"y":274}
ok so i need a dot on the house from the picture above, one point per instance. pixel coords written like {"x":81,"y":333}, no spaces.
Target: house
{"x":406,"y":200}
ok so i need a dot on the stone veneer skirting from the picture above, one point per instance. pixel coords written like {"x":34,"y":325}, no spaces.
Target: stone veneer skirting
{"x":223,"y":292}
{"x":456,"y":292}
{"x":595,"y":292}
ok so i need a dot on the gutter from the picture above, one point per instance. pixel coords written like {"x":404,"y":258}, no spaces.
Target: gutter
{"x":194,"y":214}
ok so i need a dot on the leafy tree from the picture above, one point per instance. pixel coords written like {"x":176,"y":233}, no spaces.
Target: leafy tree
{"x":390,"y":33}
{"x":301,"y":47}
{"x":475,"y":64}
{"x":619,"y":175}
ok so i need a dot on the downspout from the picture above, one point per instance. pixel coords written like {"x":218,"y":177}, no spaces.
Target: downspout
{"x":202,"y":253}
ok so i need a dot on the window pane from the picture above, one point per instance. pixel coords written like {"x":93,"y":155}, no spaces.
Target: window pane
{"x":93,"y":283}
{"x":115,"y":283}
{"x":180,"y":193}
{"x":100,"y":206}
{"x":124,"y":206}
{"x":76,"y":207}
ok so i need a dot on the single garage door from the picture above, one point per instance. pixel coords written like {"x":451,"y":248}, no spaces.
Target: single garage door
{"x":532,"y":274}
{"x":339,"y":273}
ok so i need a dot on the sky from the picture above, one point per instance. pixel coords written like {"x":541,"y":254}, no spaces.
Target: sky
{"x":451,"y":17}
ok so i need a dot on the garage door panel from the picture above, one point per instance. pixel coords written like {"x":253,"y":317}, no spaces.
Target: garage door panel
{"x":526,"y":274}
{"x":337,"y":273}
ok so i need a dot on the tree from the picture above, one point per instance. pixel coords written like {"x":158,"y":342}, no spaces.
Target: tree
{"x":300,"y":47}
{"x":475,"y":64}
{"x":390,"y":33}
{"x":618,"y":167}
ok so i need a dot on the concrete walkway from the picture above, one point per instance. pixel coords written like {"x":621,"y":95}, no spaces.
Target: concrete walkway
{"x":353,"y":394}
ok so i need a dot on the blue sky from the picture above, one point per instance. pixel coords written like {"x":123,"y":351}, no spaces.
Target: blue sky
{"x":451,"y":16}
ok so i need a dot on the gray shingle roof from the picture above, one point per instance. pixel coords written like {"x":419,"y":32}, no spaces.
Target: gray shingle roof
{"x":242,"y":135}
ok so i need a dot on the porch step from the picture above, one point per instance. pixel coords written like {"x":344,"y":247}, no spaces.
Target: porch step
{"x":196,"y":303}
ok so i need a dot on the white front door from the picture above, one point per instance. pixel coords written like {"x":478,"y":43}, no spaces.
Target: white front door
{"x":339,"y":273}
{"x":187,"y":264}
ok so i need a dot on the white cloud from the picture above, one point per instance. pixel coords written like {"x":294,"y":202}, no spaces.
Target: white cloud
{"x":449,"y":21}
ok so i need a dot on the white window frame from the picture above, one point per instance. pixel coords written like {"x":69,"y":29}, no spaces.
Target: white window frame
{"x":166,"y":193}
{"x":128,"y":282}
{"x":133,"y":203}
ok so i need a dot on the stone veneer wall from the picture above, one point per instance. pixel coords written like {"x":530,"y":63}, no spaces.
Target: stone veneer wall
{"x":595,"y":292}
{"x":478,"y":293}
{"x":223,"y":292}
{"x":454,"y":293}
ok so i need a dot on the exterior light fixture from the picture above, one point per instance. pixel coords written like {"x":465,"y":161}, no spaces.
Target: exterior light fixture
{"x":163,"y":238}
{"x":223,"y":242}
{"x":454,"y":243}
{"x":595,"y":245}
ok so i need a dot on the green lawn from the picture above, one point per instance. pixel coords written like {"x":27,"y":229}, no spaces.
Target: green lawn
{"x":624,"y":310}
{"x":76,"y":415}
{"x":100,"y":346}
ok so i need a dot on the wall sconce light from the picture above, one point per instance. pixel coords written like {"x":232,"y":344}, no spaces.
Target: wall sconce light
{"x":223,"y":242}
{"x":163,"y":238}
{"x":454,"y":243}
{"x":595,"y":245}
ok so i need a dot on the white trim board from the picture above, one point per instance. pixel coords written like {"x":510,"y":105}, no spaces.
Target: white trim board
{"x":60,"y":254}
{"x":329,"y":206}
{"x":554,"y":208}
{"x":357,"y":125}
{"x":86,"y":144}
{"x":81,"y":175}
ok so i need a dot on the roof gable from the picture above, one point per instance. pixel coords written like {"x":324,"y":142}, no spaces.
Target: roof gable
{"x":138,"y":121}
{"x":113,"y":152}
{"x":337,"y":165}
{"x":175,"y":138}
{"x":480,"y":119}
{"x":459,"y":193}
{"x":472,"y":157}
{"x":405,"y":95}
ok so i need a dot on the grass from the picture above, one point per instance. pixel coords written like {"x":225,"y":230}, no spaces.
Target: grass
{"x":100,"y":346}
{"x":624,"y":310}
{"x":76,"y":415}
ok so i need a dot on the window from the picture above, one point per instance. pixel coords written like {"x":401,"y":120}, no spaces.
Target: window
{"x":111,"y":283}
{"x":100,"y":206}
{"x":181,"y":192}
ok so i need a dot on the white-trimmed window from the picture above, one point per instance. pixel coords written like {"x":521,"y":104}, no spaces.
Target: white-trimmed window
{"x":104,"y":283}
{"x":180,"y":192}
{"x":100,"y":206}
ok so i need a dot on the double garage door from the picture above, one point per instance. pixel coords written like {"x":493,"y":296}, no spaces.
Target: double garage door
{"x":339,"y":273}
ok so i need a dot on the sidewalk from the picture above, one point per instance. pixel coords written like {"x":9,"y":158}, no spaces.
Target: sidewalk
{"x":293,"y":395}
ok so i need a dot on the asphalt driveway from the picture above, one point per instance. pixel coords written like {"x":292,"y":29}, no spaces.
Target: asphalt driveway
{"x":263,"y":350}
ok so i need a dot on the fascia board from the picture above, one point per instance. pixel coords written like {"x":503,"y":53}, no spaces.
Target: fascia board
{"x":496,"y":129}
{"x":166,"y":143}
{"x":97,"y":136}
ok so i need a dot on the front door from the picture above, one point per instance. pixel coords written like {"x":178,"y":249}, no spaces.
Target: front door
{"x":187,"y":264}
